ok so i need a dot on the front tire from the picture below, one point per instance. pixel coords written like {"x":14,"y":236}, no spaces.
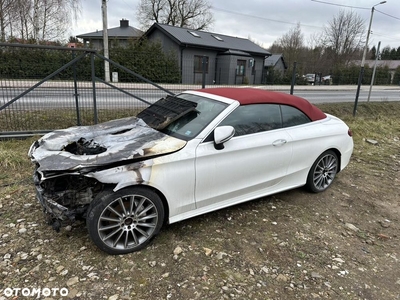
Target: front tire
{"x":125,"y":221}
{"x":322,"y":172}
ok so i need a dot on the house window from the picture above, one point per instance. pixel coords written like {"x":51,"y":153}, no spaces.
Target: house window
{"x":217,"y":38}
{"x":198,"y":63}
{"x":194,"y":34}
{"x":240,"y":68}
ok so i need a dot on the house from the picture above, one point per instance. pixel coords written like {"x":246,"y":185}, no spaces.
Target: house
{"x":275,"y":66}
{"x":391,"y":64}
{"x":121,"y":36}
{"x":225,"y":59}
{"x":276,"y":62}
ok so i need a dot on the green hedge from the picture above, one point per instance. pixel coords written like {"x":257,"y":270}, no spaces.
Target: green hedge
{"x":145,"y":58}
{"x":350,"y":74}
{"x":396,"y":77}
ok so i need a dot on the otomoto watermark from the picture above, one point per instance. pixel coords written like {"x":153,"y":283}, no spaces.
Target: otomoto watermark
{"x":35,"y":292}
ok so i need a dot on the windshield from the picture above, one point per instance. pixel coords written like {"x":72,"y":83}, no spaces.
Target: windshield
{"x":183,"y":116}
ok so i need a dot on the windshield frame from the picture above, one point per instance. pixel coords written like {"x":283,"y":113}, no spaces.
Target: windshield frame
{"x":187,"y":121}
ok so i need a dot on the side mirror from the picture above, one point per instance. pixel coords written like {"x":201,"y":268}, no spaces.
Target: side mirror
{"x":222,"y":134}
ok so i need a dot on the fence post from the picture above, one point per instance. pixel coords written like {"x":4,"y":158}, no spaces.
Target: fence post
{"x":78,"y":114}
{"x":95,"y":119}
{"x":203,"y":78}
{"x":293,"y":78}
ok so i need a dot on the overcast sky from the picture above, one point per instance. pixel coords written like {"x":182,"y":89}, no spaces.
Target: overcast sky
{"x":263,"y":21}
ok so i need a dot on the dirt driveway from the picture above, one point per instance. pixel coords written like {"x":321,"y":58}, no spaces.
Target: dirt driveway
{"x":340,"y":244}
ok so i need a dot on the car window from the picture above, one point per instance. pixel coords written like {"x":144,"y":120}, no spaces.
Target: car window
{"x":164,"y":111}
{"x":292,"y":116}
{"x":193,"y":122}
{"x":248,"y":119}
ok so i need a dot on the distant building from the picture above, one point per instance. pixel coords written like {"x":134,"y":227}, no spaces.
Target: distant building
{"x":392,"y":65}
{"x":276,"y":62}
{"x":225,"y":59}
{"x":274,"y":68}
{"x":117,"y":36}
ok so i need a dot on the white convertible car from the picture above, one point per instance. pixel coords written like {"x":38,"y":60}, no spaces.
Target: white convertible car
{"x":184,"y":156}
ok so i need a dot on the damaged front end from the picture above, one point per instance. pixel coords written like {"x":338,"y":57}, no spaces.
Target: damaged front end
{"x":75,"y":164}
{"x":65,"y":199}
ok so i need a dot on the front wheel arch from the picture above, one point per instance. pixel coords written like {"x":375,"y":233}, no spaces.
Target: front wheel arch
{"x":164,"y":202}
{"x":126,"y":220}
{"x":155,"y":190}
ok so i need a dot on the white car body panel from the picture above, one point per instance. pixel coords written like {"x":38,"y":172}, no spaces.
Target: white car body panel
{"x":219,"y":184}
{"x":194,"y":177}
{"x":240,"y":168}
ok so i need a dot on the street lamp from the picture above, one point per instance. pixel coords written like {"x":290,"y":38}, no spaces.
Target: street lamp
{"x":360,"y":76}
{"x":105,"y":40}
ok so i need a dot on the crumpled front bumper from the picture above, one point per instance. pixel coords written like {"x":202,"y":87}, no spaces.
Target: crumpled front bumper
{"x":57,"y":215}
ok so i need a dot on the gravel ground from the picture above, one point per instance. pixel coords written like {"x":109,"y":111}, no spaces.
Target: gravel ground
{"x":340,"y":244}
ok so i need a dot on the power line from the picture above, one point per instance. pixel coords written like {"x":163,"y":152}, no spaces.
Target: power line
{"x":129,"y":5}
{"x":304,"y":25}
{"x":387,"y":15}
{"x":358,"y":7}
{"x":385,"y":36}
{"x":261,"y":18}
{"x":335,"y":4}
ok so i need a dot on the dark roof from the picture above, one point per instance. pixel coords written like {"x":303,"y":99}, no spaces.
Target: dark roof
{"x":391,"y":64}
{"x":248,"y":96}
{"x":272,"y":60}
{"x":235,"y":52}
{"x":197,"y":38}
{"x":116,"y":32}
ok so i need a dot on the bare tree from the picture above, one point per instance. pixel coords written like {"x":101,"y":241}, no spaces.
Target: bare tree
{"x":343,"y":36}
{"x":5,"y":17}
{"x":37,"y":20}
{"x":194,"y":14}
{"x":290,"y":44}
{"x":315,"y":55}
{"x":19,"y":18}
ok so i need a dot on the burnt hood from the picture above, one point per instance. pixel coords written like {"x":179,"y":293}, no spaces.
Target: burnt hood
{"x":102,"y":144}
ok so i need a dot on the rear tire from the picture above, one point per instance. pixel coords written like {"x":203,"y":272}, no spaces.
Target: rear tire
{"x":323,"y":172}
{"x":125,"y":221}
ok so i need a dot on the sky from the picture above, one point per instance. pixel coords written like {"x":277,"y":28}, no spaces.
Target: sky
{"x":262,"y":21}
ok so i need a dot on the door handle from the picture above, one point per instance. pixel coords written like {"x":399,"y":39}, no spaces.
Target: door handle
{"x":278,"y":143}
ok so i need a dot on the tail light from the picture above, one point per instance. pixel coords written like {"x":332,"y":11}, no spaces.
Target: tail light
{"x":349,"y":132}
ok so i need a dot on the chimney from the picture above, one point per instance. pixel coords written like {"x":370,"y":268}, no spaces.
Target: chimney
{"x":124,"y":23}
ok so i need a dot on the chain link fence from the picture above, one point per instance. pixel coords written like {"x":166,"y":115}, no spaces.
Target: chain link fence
{"x":43,"y":88}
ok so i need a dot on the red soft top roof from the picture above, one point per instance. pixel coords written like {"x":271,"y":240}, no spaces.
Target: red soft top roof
{"x":253,"y":96}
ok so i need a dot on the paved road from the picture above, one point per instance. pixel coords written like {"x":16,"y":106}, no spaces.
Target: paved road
{"x":43,"y":98}
{"x":348,"y":96}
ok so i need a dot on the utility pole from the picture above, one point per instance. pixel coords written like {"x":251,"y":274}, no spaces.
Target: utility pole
{"x":105,"y":41}
{"x":360,"y":76}
{"x":373,"y":73}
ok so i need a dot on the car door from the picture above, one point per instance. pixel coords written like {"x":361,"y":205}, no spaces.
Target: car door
{"x":251,"y":164}
{"x":308,"y":142}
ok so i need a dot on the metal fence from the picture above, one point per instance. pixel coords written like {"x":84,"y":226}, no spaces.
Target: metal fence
{"x":43,"y":88}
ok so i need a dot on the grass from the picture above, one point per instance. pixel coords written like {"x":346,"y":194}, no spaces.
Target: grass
{"x":51,"y":119}
{"x":13,"y":155}
{"x":376,"y":120}
{"x":359,"y":197}
{"x":15,"y":165}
